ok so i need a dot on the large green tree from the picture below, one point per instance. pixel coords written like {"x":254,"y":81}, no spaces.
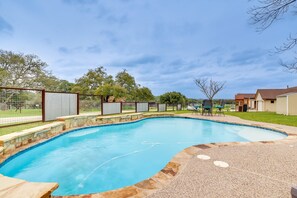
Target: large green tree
{"x":89,"y":82}
{"x":127,"y":81}
{"x":110,"y":90}
{"x":20,"y":70}
{"x":144,"y":94}
{"x":173,"y":98}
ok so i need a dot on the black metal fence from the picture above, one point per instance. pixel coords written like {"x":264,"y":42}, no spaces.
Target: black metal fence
{"x":19,"y":106}
{"x":90,"y":104}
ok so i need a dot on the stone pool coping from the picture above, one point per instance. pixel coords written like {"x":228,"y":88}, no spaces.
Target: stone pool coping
{"x":12,"y":187}
{"x":176,"y":165}
{"x":180,"y":160}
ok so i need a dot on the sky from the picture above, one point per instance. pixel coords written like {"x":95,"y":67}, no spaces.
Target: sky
{"x":164,"y":44}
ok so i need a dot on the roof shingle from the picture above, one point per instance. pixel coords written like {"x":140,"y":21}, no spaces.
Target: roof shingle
{"x":270,"y":94}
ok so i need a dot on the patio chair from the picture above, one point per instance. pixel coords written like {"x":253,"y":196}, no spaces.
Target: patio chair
{"x":207,"y":107}
{"x":294,"y":192}
{"x":193,"y":109}
{"x":220,"y":108}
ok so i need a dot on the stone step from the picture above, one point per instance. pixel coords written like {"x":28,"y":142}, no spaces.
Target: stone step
{"x":15,"y":188}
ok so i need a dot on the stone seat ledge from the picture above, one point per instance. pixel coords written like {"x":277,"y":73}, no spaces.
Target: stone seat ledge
{"x":62,"y":118}
{"x":119,"y":115}
{"x":11,"y":136}
{"x":13,"y":188}
{"x":159,"y":113}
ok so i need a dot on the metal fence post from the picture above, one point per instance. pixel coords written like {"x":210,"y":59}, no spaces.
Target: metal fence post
{"x":43,"y":104}
{"x":77,"y":103}
{"x":101,"y":104}
{"x":121,"y":108}
{"x":135,"y":107}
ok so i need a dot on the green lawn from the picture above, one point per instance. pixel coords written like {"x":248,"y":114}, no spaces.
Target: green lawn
{"x":24,"y":112}
{"x":255,"y":116}
{"x":266,"y":117}
{"x":7,"y":130}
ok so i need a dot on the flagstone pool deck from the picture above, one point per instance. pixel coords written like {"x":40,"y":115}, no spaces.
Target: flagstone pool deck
{"x":260,"y":169}
{"x":256,"y":169}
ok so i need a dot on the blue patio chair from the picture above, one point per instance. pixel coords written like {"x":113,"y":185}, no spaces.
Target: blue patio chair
{"x":220,"y":108}
{"x":207,"y":107}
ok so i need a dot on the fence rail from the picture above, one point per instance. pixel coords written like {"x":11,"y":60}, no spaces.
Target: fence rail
{"x":25,"y":105}
{"x":19,"y":106}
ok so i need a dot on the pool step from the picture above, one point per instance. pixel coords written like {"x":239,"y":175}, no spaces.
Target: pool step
{"x":15,"y":188}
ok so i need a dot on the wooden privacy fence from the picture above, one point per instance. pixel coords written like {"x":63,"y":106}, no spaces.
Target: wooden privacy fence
{"x":25,"y":105}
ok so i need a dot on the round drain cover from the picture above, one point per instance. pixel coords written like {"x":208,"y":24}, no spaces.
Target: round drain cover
{"x":221,"y":164}
{"x":203,"y":157}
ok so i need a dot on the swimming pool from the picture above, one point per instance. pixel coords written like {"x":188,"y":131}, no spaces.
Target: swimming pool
{"x":97,"y":159}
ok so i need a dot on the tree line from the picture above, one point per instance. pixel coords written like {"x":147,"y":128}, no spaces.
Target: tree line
{"x":29,"y":71}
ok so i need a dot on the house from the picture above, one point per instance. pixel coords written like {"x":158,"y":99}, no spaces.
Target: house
{"x":243,"y":102}
{"x":266,"y":98}
{"x":287,"y":104}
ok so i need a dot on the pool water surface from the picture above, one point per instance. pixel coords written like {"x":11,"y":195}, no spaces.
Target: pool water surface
{"x":102,"y":158}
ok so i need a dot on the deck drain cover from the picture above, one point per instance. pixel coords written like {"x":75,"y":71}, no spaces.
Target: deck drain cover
{"x":221,"y":164}
{"x":203,"y":157}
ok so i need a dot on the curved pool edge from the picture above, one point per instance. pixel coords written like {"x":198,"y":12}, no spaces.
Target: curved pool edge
{"x":173,"y":168}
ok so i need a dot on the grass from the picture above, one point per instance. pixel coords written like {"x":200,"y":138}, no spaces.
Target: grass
{"x":268,"y":117}
{"x":23,"y":113}
{"x":11,"y":129}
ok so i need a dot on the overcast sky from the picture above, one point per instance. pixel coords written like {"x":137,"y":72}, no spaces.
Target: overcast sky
{"x":164,"y":44}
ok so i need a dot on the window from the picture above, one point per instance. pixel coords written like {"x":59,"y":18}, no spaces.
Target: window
{"x":272,"y":101}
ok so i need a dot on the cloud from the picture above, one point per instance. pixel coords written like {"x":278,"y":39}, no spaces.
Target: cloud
{"x":94,"y":49}
{"x":82,"y":2}
{"x":136,"y":61}
{"x":248,"y":57}
{"x":66,"y":50}
{"x":212,"y":52}
{"x":5,"y":26}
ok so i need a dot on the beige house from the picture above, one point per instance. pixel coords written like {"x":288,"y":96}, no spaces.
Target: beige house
{"x":287,"y":104}
{"x":266,"y":98}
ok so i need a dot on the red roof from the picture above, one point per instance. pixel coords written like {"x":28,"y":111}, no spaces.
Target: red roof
{"x":241,"y":96}
{"x":270,"y":94}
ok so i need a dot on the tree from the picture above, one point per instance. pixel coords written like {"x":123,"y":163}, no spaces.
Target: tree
{"x":267,"y":13}
{"x":4,"y":76}
{"x":209,"y":87}
{"x":108,"y":90}
{"x":173,"y":98}
{"x":144,"y":94}
{"x":125,"y":80}
{"x":21,"y":70}
{"x":65,"y":86}
{"x":93,"y":79}
{"x":48,"y":82}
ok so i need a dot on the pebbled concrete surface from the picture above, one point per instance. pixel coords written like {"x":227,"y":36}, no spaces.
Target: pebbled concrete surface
{"x":255,"y":170}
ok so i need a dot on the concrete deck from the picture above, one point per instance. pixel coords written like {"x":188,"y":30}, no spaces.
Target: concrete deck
{"x":255,"y":170}
{"x":16,"y":188}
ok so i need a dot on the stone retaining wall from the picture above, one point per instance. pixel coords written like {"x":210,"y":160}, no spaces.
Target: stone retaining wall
{"x":11,"y":142}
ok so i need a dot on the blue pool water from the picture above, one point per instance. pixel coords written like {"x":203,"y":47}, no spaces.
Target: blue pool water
{"x":102,"y":158}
